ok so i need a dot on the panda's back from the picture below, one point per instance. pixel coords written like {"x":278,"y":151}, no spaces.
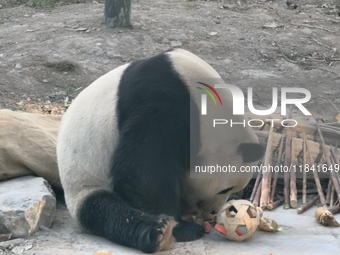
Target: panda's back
{"x":132,"y":98}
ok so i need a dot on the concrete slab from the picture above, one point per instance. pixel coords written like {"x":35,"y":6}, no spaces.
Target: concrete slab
{"x":301,"y":235}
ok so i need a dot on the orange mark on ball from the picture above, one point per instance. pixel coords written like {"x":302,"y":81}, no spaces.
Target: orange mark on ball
{"x":207,"y":227}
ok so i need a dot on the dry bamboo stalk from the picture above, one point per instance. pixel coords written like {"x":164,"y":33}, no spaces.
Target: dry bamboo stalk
{"x":273,"y":205}
{"x":256,"y":185}
{"x":331,"y":202}
{"x":330,"y":130}
{"x":335,"y":162}
{"x":314,"y":147}
{"x":304,"y":173}
{"x":329,"y":190}
{"x":316,"y":175}
{"x":329,"y":162}
{"x":308,"y":205}
{"x":256,"y":201}
{"x":264,"y":200}
{"x":276,"y":175}
{"x":334,"y":209}
{"x":292,"y":182}
{"x":286,"y":174}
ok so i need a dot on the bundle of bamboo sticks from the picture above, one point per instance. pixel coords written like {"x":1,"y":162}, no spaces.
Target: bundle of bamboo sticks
{"x":306,"y":152}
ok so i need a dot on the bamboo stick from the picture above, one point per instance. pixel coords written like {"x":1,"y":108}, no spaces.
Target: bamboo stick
{"x":315,"y":175}
{"x":331,"y":202}
{"x":276,"y":175}
{"x":308,"y":205}
{"x":329,"y":162}
{"x":273,"y":205}
{"x":330,"y":130}
{"x":265,"y":191}
{"x":292,"y":182}
{"x":286,"y":174}
{"x":304,"y":173}
{"x":336,"y":163}
{"x":329,"y":190}
{"x":256,"y":201}
{"x":256,"y":185}
{"x":314,"y":147}
{"x":334,"y":209}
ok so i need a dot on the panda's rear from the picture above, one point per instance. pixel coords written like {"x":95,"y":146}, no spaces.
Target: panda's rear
{"x":124,"y":152}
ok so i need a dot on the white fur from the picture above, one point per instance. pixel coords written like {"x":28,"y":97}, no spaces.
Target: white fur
{"x":89,"y":126}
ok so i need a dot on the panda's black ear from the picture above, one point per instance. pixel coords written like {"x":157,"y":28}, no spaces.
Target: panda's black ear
{"x":251,"y":151}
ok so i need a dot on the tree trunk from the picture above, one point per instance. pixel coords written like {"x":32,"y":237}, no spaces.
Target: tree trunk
{"x":117,"y":13}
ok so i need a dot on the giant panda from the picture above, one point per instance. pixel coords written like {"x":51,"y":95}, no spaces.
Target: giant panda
{"x":124,"y":152}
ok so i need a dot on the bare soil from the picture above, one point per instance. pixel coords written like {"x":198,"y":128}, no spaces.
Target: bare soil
{"x":300,"y":48}
{"x":48,"y":55}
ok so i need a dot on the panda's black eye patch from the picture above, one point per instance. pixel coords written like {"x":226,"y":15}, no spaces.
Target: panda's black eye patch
{"x":225,"y":191}
{"x":251,"y":151}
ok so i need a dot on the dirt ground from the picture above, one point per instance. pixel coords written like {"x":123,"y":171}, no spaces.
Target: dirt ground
{"x":48,"y":55}
{"x":254,"y":44}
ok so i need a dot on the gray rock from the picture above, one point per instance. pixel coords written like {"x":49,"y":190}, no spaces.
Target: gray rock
{"x":82,"y":29}
{"x":307,"y":31}
{"x":272,"y":25}
{"x":18,"y":66}
{"x":112,"y":55}
{"x":96,"y":50}
{"x":213,"y":33}
{"x":26,"y":203}
{"x":175,"y":44}
{"x":11,"y":244}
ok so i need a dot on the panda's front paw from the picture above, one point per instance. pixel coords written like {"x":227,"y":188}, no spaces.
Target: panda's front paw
{"x":165,"y":239}
{"x":188,"y":231}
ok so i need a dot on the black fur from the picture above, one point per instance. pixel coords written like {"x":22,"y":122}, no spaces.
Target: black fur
{"x":154,"y":125}
{"x":251,"y":152}
{"x":106,"y":214}
{"x":154,"y":147}
{"x":225,"y":190}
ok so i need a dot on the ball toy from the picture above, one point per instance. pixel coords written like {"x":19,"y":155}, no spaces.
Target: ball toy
{"x":240,"y":219}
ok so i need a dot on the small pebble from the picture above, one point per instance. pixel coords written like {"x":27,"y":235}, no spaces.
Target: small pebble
{"x":81,"y":29}
{"x":175,"y":44}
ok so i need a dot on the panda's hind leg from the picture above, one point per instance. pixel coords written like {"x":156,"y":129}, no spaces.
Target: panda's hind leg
{"x":106,"y":214}
{"x":147,"y":172}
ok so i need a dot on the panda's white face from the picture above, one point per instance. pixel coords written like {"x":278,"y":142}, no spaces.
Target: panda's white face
{"x":207,"y":195}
